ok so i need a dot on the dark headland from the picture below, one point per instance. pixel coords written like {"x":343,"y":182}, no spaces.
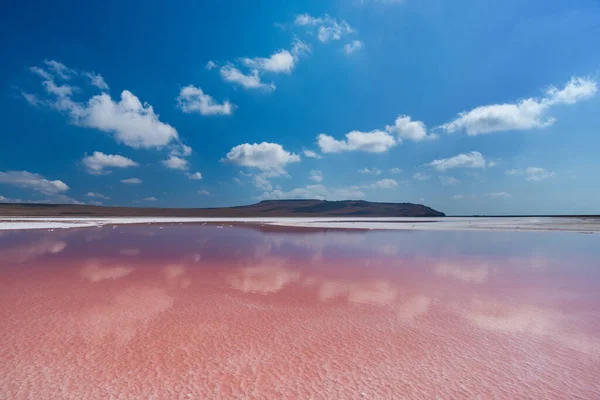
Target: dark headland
{"x":266,"y":208}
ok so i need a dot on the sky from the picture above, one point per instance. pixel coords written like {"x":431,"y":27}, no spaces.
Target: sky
{"x":470,"y":107}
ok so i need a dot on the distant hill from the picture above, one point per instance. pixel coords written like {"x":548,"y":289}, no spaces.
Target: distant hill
{"x":266,"y":208}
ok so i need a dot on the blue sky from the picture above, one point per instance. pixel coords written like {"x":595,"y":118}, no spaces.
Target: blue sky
{"x":470,"y":107}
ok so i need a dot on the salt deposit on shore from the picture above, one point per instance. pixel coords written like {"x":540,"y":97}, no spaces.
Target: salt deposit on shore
{"x":588,"y":225}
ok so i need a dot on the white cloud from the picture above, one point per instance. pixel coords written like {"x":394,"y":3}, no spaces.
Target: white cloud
{"x":327,"y":28}
{"x":132,"y":123}
{"x":265,"y":156}
{"x":421,"y":176}
{"x":311,"y":154}
{"x":97,"y":195}
{"x":3,"y":199}
{"x":395,"y":171}
{"x":373,"y":171}
{"x":575,"y":90}
{"x":532,"y":173}
{"x":28,"y":180}
{"x":181,"y":150}
{"x":281,"y":61}
{"x":149,"y":199}
{"x":195,"y":176}
{"x":192,"y":99}
{"x":41,"y":73}
{"x":371,"y":142}
{"x":318,"y":191}
{"x":306,"y":19}
{"x":384,"y":184}
{"x":60,"y":69}
{"x":299,"y":48}
{"x":353,"y":46}
{"x":498,"y":195}
{"x":406,"y":129}
{"x":210,"y":65}
{"x":473,"y":159}
{"x":522,"y":115}
{"x":174,"y":162}
{"x":457,"y":197}
{"x":97,"y":162}
{"x":448,"y":180}
{"x":386,"y":2}
{"x":133,"y":181}
{"x":316,"y":176}
{"x":62,"y":93}
{"x":97,"y":80}
{"x":252,"y":81}
{"x":262,"y":183}
{"x":94,"y":203}
{"x":204,"y":192}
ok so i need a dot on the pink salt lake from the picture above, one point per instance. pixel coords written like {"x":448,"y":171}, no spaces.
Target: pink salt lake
{"x":192,"y":311}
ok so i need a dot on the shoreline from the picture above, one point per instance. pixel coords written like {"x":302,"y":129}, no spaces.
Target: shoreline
{"x":516,"y":224}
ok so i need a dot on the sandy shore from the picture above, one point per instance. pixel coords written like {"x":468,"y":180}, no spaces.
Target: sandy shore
{"x":586,"y":225}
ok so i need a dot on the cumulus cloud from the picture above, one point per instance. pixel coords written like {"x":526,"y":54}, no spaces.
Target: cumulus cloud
{"x":448,"y":180}
{"x":60,"y":69}
{"x":498,"y":195}
{"x":97,"y":80}
{"x":192,"y":99}
{"x":373,"y":171}
{"x":281,"y":61}
{"x":383,"y":184}
{"x":473,"y":159}
{"x":386,"y":2}
{"x":265,"y":156}
{"x":210,"y":65}
{"x":261,"y":182}
{"x":532,"y":173}
{"x":395,"y":171}
{"x":149,"y":199}
{"x":421,"y":176}
{"x":328,"y":28}
{"x":132,"y":181}
{"x":353,"y":46}
{"x":203,"y":192}
{"x":131,"y":122}
{"x":316,"y":176}
{"x":98,"y":162}
{"x":97,"y":195}
{"x":231,"y":74}
{"x":371,"y":142}
{"x":318,"y":191}
{"x":195,"y":176}
{"x":311,"y":154}
{"x":525,"y":114}
{"x":246,"y":71}
{"x":407,"y":129}
{"x":37,"y":182}
{"x":457,"y":197}
{"x":377,"y":141}
{"x":175,"y":162}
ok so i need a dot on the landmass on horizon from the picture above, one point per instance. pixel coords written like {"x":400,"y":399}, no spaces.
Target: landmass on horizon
{"x":265,"y":208}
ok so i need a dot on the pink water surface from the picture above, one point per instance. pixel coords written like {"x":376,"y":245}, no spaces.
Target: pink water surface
{"x":192,"y":311}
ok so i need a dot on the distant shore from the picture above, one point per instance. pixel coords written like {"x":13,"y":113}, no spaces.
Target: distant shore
{"x":565,"y":224}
